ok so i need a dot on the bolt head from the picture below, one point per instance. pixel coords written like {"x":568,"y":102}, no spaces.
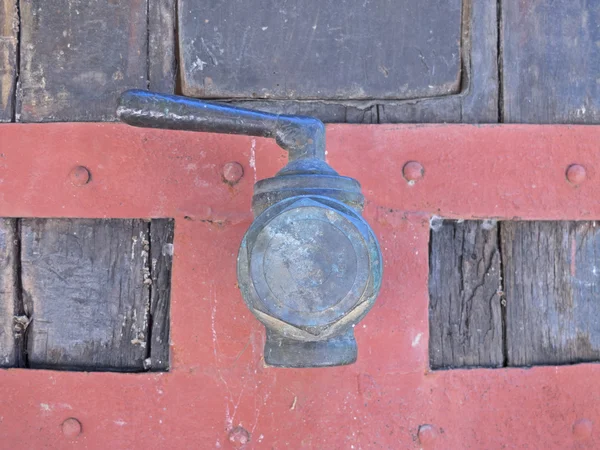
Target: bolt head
{"x":239,"y":436}
{"x":427,"y":435}
{"x":576,"y":174}
{"x":71,"y":428}
{"x":233,"y":172}
{"x":80,"y":176}
{"x":413,"y":172}
{"x":582,"y":429}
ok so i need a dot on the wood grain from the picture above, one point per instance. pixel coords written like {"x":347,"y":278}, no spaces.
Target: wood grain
{"x":319,"y":49}
{"x":13,"y":324}
{"x":477,"y":101}
{"x":552,"y":283}
{"x":9,"y":28}
{"x":86,"y":285}
{"x":551,"y":55}
{"x":161,"y":252}
{"x":465,"y":317}
{"x":162,"y":67}
{"x":76,"y":58}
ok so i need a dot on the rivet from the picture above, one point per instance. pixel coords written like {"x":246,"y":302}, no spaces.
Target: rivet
{"x":239,"y":436}
{"x":427,"y":435}
{"x":413,"y":172}
{"x":80,"y":176}
{"x":582,"y":429}
{"x":71,"y":428}
{"x":576,"y":174}
{"x":233,"y":172}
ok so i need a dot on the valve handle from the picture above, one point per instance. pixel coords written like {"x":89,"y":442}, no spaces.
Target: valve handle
{"x":303,"y":137}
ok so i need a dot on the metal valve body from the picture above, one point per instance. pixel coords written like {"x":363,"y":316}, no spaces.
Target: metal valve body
{"x":309,"y":266}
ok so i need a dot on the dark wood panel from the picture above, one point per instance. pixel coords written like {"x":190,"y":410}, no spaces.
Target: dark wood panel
{"x":161,"y":45}
{"x":478,"y":99}
{"x":9,"y":27}
{"x":319,"y":49}
{"x":551,"y":58}
{"x":77,"y":56}
{"x":465,"y":311}
{"x":161,"y":251}
{"x":552,"y":285}
{"x":86,"y":284}
{"x":13,"y":324}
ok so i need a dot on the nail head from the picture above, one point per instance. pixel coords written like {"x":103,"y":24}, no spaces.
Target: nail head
{"x":576,"y":174}
{"x":71,"y":428}
{"x":80,"y":176}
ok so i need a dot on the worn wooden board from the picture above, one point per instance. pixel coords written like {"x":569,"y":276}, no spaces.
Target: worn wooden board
{"x":320,"y":49}
{"x":77,"y":56}
{"x":551,"y":281}
{"x":551,"y":56}
{"x":465,"y":311}
{"x":477,"y":101}
{"x":161,"y":253}
{"x":9,"y":28}
{"x":86,"y":285}
{"x":162,"y":68}
{"x":13,"y":324}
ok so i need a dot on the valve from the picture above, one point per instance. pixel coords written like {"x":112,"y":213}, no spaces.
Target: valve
{"x":309,"y":267}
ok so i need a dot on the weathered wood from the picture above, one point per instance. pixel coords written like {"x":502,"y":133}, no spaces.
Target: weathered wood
{"x":327,"y":112}
{"x":465,"y":312}
{"x":77,"y":56}
{"x":13,"y":325}
{"x":9,"y":27}
{"x":478,"y":100}
{"x":551,"y":281}
{"x":161,"y":252}
{"x":162,"y":68}
{"x":551,"y":56}
{"x":320,"y":49}
{"x":86,"y":287}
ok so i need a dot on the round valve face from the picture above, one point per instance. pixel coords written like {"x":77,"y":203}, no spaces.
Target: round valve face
{"x":309,"y":264}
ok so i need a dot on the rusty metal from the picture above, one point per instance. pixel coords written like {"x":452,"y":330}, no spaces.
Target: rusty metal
{"x":80,"y":176}
{"x":218,"y":380}
{"x":413,"y":171}
{"x":233,"y":172}
{"x":576,"y":174}
{"x":309,"y":266}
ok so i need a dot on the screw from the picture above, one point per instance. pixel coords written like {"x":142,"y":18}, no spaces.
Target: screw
{"x":427,"y":435}
{"x":582,"y":429}
{"x":239,"y":436}
{"x":576,"y":174}
{"x":80,"y":176}
{"x":71,"y":428}
{"x":413,"y":172}
{"x":233,"y":172}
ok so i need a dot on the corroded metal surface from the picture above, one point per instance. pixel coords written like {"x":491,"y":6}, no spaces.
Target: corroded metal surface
{"x":219,"y":393}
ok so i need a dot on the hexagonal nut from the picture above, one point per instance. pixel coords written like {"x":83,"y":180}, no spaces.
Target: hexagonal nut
{"x":297,"y":320}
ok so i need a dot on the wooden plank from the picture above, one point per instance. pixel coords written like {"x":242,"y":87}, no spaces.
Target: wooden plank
{"x":161,"y":46}
{"x":320,"y":49}
{"x":327,"y":112}
{"x":550,"y":61}
{"x":9,"y":28}
{"x":552,"y":282}
{"x":13,"y":325}
{"x":465,"y":317}
{"x":478,"y":100}
{"x":161,"y":252}
{"x":86,"y":285}
{"x":76,"y":57}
